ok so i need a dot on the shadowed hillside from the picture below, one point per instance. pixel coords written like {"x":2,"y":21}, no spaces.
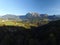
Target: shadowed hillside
{"x":48,"y":34}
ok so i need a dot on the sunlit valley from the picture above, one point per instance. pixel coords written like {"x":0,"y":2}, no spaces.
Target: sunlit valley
{"x":30,"y":19}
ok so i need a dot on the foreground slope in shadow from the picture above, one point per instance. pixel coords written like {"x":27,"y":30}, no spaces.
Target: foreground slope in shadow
{"x":48,"y":34}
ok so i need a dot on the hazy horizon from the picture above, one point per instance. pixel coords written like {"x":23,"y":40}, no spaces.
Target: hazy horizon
{"x":21,"y":7}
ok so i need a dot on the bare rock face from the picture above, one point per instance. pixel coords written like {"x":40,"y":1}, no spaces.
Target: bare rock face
{"x":33,"y":14}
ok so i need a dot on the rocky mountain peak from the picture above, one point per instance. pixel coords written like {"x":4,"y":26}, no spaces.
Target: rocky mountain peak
{"x":33,"y":14}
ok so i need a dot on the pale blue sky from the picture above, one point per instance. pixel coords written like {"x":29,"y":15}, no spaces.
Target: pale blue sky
{"x":21,"y":7}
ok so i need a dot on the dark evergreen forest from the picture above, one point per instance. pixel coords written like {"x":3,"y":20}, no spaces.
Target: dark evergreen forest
{"x":48,"y":34}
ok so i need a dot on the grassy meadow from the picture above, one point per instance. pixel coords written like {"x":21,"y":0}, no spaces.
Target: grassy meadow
{"x":15,"y":23}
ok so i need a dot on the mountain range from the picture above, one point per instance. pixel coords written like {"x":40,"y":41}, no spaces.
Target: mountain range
{"x":31,"y":16}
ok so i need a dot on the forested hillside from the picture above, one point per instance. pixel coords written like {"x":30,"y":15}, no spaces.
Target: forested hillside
{"x":48,"y":34}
